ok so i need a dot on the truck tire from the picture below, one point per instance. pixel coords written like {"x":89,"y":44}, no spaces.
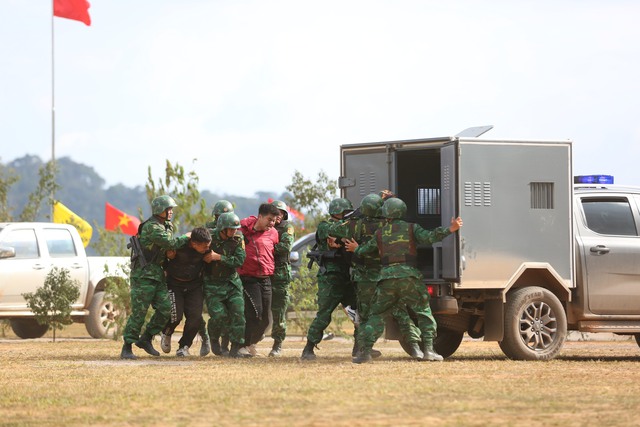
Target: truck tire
{"x":535,"y":325}
{"x":445,"y":344}
{"x":28,"y":328}
{"x":101,"y":321}
{"x":637,"y":337}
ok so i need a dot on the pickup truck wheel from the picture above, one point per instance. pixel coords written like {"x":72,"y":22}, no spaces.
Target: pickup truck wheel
{"x":535,"y":325}
{"x":445,"y":344}
{"x":28,"y":328}
{"x":101,"y":321}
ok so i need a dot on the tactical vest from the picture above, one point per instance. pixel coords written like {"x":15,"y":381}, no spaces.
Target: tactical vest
{"x":397,"y":245}
{"x":186,"y":266}
{"x":152,"y":252}
{"x":362,"y":231}
{"x":282,"y":258}
{"x":222,"y":247}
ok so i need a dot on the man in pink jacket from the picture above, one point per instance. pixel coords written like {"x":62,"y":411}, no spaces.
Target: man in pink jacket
{"x":260,"y":239}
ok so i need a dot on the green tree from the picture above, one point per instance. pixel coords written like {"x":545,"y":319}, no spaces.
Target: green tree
{"x":47,"y":186}
{"x":51,"y":303}
{"x":7,"y":179}
{"x":183,"y":187}
{"x":311,"y":197}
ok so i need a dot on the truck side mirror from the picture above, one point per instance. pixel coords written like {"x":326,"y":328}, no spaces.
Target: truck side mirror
{"x":7,"y":252}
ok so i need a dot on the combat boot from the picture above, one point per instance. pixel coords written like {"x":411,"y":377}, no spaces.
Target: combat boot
{"x":276,"y":350}
{"x":145,"y":343}
{"x":364,"y":356}
{"x":215,"y":347}
{"x":224,"y":346}
{"x":307,"y":352}
{"x":238,"y":352}
{"x":430,"y":354}
{"x":126,"y":352}
{"x":415,"y":352}
{"x":205,"y":348}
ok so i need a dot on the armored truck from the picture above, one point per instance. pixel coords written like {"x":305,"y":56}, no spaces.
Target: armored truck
{"x":538,"y":255}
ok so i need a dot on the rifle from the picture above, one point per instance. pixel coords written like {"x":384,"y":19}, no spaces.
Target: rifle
{"x":136,"y":252}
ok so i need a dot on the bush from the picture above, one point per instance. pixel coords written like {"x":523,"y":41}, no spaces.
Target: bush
{"x":51,"y":303}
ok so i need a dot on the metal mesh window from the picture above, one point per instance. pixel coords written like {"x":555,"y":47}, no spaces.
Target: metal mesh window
{"x":541,"y":195}
{"x":428,"y":201}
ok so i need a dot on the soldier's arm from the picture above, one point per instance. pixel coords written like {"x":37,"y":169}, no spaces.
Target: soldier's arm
{"x":340,"y":230}
{"x":161,"y":237}
{"x":371,"y":247}
{"x":286,"y":241}
{"x":235,"y":259}
{"x":424,"y":236}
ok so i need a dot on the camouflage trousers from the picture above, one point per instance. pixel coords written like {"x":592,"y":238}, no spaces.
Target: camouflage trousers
{"x":365,"y":292}
{"x":144,"y":293}
{"x":393,"y":294}
{"x":333,"y":289}
{"x":225,"y":304}
{"x":279,"y":304}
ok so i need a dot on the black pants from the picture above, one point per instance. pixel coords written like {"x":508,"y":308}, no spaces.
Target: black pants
{"x":257,"y":307}
{"x":187,"y":301}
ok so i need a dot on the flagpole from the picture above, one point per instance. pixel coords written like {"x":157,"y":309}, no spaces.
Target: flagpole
{"x":53,"y":109}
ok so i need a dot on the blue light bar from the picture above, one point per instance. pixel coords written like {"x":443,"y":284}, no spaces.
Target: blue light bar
{"x":593,"y":179}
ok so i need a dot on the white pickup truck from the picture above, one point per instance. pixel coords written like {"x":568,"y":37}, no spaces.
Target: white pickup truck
{"x":28,"y":251}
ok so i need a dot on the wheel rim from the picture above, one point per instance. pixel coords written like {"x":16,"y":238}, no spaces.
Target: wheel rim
{"x":108,"y":315}
{"x":538,"y":326}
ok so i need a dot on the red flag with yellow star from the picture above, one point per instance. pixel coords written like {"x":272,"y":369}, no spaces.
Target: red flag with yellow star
{"x":114,"y":218}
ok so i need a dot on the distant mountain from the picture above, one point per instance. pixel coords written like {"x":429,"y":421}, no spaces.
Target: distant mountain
{"x":82,"y":190}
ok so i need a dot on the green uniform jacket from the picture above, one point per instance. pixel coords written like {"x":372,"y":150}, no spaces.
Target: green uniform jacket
{"x":156,"y":238}
{"x":421,"y":236}
{"x":283,"y":251}
{"x":336,"y":265}
{"x":365,"y":267}
{"x":232,"y":255}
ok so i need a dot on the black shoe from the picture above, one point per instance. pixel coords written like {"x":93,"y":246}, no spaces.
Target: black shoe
{"x":276,"y":350}
{"x":126,"y":352}
{"x":307,"y":353}
{"x":215,"y":347}
{"x":430,"y":354}
{"x":224,"y":346}
{"x":355,"y":350}
{"x":237,"y":352}
{"x":363,"y":357}
{"x":145,"y":343}
{"x":375,"y":353}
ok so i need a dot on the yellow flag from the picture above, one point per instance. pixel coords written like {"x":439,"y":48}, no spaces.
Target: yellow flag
{"x":64,"y":215}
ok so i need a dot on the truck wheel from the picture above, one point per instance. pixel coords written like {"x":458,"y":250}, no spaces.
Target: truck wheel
{"x":445,"y":344}
{"x":101,"y":321}
{"x":28,"y":328}
{"x":535,"y":325}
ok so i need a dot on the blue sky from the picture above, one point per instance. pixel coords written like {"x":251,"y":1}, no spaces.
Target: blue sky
{"x":257,"y":89}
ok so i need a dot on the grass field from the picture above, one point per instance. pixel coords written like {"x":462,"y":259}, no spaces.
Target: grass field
{"x":81,"y":381}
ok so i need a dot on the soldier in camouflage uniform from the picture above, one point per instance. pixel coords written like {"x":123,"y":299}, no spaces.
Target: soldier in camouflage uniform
{"x":223,"y":288}
{"x":219,"y":208}
{"x":334,"y":284}
{"x":281,"y":278}
{"x":365,"y":270}
{"x":401,"y":283}
{"x":148,"y":283}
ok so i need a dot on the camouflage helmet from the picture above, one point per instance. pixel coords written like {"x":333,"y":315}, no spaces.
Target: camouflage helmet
{"x":228,"y":220}
{"x":283,"y":207}
{"x":221,"y":207}
{"x":394,"y":208}
{"x":339,"y":205}
{"x":162,"y":203}
{"x":371,"y":204}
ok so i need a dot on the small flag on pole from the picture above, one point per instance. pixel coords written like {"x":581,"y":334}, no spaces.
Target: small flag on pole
{"x":78,"y":10}
{"x":114,"y":218}
{"x":64,"y":215}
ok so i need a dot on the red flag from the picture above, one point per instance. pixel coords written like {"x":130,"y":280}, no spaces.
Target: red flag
{"x":77,"y":10}
{"x":114,"y":218}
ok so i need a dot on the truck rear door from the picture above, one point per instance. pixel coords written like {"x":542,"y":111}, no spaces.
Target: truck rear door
{"x":366,"y":169}
{"x":449,"y":203}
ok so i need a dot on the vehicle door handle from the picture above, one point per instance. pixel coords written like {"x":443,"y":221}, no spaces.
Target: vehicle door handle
{"x":76,"y":266}
{"x":600,"y":249}
{"x":38,"y":266}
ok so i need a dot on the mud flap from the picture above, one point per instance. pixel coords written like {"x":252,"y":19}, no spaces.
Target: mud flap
{"x":493,"y":320}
